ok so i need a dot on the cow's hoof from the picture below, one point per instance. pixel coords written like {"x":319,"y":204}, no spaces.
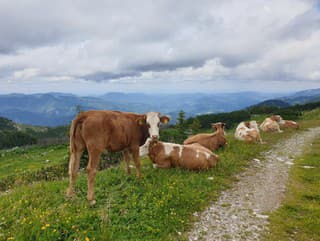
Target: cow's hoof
{"x":92,"y":202}
{"x":69,"y":193}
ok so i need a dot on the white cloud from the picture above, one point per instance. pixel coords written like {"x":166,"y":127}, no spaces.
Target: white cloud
{"x":143,"y":45}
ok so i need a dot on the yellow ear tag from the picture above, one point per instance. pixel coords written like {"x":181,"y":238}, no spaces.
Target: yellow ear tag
{"x":165,"y":121}
{"x":141,"y":122}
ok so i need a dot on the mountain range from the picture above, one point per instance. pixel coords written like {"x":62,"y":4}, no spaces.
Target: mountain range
{"x":53,"y":109}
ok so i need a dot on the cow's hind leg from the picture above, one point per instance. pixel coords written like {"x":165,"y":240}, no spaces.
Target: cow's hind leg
{"x":126,"y":155}
{"x":94,"y":158}
{"x":74,"y":164}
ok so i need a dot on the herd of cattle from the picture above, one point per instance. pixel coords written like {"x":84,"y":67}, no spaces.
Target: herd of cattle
{"x":138,"y":134}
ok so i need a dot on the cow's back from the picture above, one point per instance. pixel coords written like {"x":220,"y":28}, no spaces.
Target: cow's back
{"x":111,"y":130}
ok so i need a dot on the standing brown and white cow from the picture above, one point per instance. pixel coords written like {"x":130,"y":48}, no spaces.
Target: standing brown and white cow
{"x":100,"y":130}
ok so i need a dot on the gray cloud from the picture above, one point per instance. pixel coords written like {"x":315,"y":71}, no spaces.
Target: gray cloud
{"x":146,"y":43}
{"x":303,"y":25}
{"x":106,"y":76}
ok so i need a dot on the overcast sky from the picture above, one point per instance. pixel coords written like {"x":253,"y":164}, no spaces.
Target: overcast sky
{"x":93,"y":47}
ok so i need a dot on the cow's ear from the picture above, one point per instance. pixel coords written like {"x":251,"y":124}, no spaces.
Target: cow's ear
{"x":223,"y":125}
{"x":142,"y":120}
{"x":164,"y":119}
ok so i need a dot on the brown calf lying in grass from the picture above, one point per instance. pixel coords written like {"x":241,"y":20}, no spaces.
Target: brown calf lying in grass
{"x":166,"y":155}
{"x":271,"y":124}
{"x":211,"y":141}
{"x":289,"y":124}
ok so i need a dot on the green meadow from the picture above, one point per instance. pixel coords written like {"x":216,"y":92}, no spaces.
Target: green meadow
{"x":159,"y":206}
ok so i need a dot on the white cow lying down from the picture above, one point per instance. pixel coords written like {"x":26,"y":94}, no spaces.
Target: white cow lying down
{"x":248,"y":132}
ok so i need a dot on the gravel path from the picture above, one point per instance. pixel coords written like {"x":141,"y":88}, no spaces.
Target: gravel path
{"x":239,"y":214}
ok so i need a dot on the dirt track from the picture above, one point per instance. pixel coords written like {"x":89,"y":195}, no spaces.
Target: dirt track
{"x":239,"y":214}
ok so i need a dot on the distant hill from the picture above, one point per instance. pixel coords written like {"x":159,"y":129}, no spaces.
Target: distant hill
{"x":10,"y":136}
{"x":303,"y":97}
{"x":53,"y":109}
{"x":7,"y":125}
{"x":276,"y":102}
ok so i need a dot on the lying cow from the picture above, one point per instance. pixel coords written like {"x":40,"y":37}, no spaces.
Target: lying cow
{"x":248,"y":132}
{"x":271,"y":124}
{"x":166,"y":155}
{"x":102,"y":130}
{"x":211,"y":141}
{"x":289,"y":124}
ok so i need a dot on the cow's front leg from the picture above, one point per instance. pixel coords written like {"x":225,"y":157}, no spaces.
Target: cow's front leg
{"x":162,"y":164}
{"x":136,"y":158}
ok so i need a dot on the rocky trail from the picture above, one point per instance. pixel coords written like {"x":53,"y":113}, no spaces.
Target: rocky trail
{"x":240,"y":212}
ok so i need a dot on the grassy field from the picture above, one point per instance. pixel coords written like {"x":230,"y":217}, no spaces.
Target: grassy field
{"x":157,"y":207}
{"x":299,"y":216}
{"x":17,"y":160}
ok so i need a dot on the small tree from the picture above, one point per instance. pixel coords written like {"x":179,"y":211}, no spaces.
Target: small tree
{"x":181,"y":127}
{"x":79,"y":109}
{"x":181,"y":119}
{"x":195,"y":125}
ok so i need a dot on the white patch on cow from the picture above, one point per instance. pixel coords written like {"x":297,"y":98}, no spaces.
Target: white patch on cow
{"x":168,"y":148}
{"x":144,"y":149}
{"x":153,"y":119}
{"x":180,"y":151}
{"x":197,"y":155}
{"x":208,"y":155}
{"x":254,"y":125}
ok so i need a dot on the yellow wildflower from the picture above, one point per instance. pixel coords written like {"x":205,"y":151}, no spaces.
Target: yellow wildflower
{"x":87,"y":239}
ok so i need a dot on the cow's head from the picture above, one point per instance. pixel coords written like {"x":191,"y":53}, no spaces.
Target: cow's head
{"x":218,"y":126}
{"x":277,"y":118}
{"x":253,"y":124}
{"x":153,"y":120}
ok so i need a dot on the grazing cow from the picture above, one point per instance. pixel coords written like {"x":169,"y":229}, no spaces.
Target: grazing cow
{"x":271,"y":124}
{"x":211,"y":141}
{"x":248,"y":132}
{"x":100,"y":130}
{"x":289,"y":124}
{"x":166,"y":155}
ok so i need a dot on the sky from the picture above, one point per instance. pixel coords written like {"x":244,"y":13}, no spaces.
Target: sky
{"x":164,"y":46}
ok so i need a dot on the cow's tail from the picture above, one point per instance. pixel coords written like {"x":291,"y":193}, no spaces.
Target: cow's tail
{"x":75,"y":144}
